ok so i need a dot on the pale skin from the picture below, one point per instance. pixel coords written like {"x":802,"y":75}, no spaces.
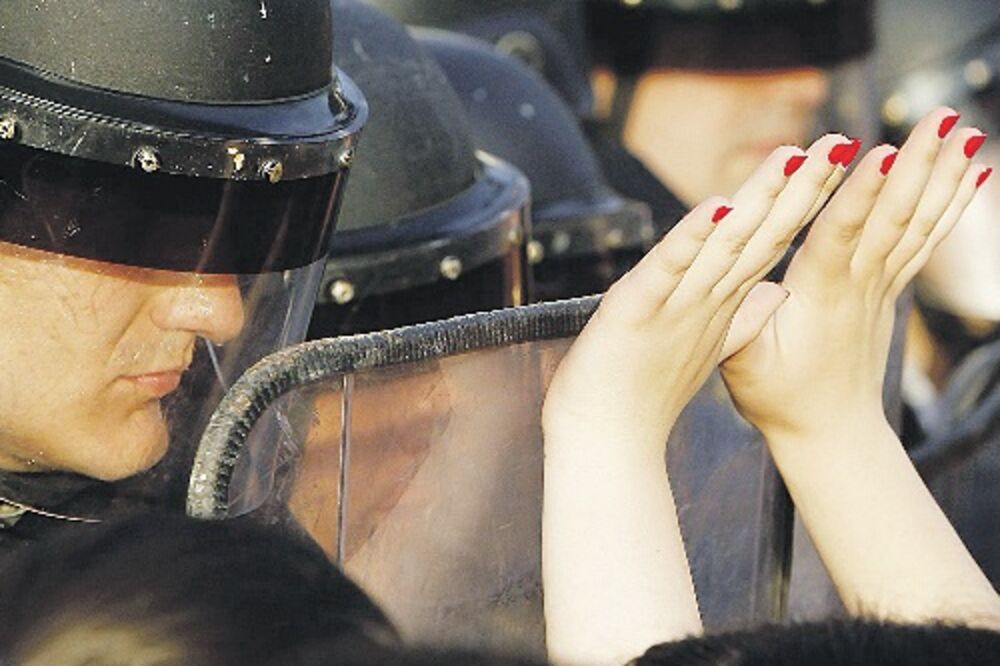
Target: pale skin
{"x":703,"y":132}
{"x":615,"y":574}
{"x":88,"y":349}
{"x":617,"y":394}
{"x":889,"y":549}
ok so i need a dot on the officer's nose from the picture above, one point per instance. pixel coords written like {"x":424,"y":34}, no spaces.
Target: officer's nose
{"x":209,"y":305}
{"x":808,"y":87}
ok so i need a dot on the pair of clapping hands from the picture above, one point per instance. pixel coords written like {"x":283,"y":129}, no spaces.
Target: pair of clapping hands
{"x":804,"y":362}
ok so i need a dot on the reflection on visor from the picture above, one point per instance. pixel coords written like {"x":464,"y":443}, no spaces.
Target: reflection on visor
{"x":126,"y":216}
{"x":417,"y":463}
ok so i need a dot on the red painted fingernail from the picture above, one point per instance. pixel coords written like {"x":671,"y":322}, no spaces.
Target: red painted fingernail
{"x":984,"y":176}
{"x":793,"y":164}
{"x":887,"y":162}
{"x":837,"y":153}
{"x":947,"y":124}
{"x":973,"y":145}
{"x":720,"y":213}
{"x":844,"y":153}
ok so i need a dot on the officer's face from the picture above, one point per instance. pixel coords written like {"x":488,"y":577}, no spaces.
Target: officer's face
{"x":88,"y":349}
{"x":703,"y":132}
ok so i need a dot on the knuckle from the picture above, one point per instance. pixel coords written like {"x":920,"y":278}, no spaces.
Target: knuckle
{"x":734,"y":245}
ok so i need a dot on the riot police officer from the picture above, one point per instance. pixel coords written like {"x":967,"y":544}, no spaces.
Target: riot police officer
{"x":701,"y":90}
{"x":430,"y":227}
{"x":548,"y":36}
{"x":169,"y":179}
{"x":585,"y":234}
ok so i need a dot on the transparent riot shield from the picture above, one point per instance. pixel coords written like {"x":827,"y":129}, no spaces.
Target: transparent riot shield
{"x":414,"y":458}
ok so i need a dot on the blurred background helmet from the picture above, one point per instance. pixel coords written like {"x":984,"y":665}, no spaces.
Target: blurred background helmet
{"x":701,"y":92}
{"x":547,"y":35}
{"x":933,"y":53}
{"x":728,"y":35}
{"x":430,"y":227}
{"x":585,"y":235}
{"x":173,"y":171}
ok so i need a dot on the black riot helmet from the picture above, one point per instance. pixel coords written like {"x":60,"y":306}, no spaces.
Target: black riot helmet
{"x":585,"y":234}
{"x":170,"y":175}
{"x":933,"y":53}
{"x":547,"y":35}
{"x":430,"y":228}
{"x":728,"y":34}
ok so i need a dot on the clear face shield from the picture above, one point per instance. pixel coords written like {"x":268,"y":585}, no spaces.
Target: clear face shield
{"x":136,"y":299}
{"x":414,"y":457}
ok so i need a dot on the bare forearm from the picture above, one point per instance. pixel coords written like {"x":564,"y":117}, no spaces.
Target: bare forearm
{"x":888,"y":547}
{"x":615,"y":574}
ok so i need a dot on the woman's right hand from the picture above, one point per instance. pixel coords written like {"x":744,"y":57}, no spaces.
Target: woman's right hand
{"x":820,"y":361}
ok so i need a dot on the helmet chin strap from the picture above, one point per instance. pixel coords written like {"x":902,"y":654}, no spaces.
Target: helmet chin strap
{"x":11,"y":511}
{"x":625,"y":88}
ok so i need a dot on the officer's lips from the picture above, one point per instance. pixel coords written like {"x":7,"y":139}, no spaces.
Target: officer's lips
{"x":157,"y":384}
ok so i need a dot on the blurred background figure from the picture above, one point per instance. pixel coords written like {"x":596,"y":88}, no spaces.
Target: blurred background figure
{"x":524,"y":84}
{"x":430,"y":227}
{"x":585,"y":235}
{"x":548,"y":36}
{"x":702,"y":91}
{"x":932,"y":53}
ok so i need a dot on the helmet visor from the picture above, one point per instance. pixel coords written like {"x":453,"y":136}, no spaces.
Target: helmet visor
{"x":122,"y":215}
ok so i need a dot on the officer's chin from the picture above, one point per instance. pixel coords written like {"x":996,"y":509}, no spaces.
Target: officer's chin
{"x":131,"y":453}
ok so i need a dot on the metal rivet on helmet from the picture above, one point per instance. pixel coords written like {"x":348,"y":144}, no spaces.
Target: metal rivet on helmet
{"x":272,"y":171}
{"x":451,"y":268}
{"x":8,"y":128}
{"x":341,"y":291}
{"x":516,"y":235}
{"x":147,"y":159}
{"x":346,"y":158}
{"x":536,"y":252}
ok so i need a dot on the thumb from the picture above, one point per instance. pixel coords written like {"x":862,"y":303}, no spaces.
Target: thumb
{"x":752,"y":315}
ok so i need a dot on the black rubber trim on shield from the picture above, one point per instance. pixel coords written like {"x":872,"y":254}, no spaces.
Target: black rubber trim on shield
{"x":321,"y":360}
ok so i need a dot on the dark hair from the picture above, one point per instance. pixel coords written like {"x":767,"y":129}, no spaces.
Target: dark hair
{"x":834,"y":643}
{"x":213,"y":593}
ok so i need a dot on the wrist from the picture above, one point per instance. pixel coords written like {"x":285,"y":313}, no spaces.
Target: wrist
{"x":829,"y":441}
{"x":816,"y":428}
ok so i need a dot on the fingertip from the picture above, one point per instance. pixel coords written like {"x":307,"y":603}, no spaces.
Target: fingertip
{"x":888,"y":161}
{"x":948,"y":122}
{"x":984,"y":175}
{"x":794,"y":163}
{"x":843,"y":153}
{"x":713,"y":209}
{"x":974,"y":143}
{"x":720,"y":213}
